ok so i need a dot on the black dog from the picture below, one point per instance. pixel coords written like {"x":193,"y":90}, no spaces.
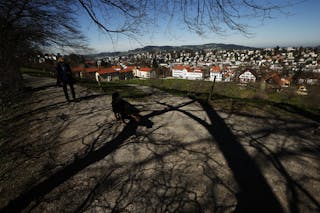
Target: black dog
{"x":123,"y":109}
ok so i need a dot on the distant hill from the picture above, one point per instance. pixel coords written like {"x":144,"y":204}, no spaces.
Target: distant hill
{"x":172,"y":48}
{"x":193,"y":47}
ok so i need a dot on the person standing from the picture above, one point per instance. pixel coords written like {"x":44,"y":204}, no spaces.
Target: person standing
{"x":65,"y":76}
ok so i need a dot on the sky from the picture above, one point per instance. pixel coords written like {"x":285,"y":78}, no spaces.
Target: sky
{"x":299,"y":28}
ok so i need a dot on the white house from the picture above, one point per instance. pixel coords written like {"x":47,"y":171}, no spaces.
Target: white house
{"x":146,"y":72}
{"x":195,"y":74}
{"x":180,"y":71}
{"x":247,"y":76}
{"x":215,"y":73}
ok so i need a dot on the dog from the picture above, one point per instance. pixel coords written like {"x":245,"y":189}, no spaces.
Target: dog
{"x":123,"y":109}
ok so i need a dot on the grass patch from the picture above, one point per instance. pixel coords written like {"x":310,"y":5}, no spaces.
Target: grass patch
{"x":247,"y":98}
{"x":36,"y":72}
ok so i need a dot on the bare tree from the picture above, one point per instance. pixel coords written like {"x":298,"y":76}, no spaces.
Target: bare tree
{"x":29,"y":25}
{"x":201,"y":16}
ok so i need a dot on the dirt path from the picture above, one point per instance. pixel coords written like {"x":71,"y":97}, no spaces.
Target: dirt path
{"x":71,"y":157}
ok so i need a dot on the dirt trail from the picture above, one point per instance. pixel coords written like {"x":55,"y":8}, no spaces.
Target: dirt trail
{"x":71,"y":157}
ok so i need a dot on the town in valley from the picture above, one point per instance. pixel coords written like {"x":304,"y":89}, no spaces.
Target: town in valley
{"x":278,"y":66}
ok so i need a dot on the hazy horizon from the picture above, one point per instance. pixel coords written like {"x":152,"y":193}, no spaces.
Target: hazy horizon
{"x":288,"y":46}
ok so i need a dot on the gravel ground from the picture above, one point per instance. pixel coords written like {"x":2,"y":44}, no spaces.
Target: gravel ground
{"x":75,"y":157}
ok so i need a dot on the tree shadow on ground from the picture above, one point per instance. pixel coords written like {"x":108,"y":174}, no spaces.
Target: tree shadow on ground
{"x":315,"y":115}
{"x":282,"y":152}
{"x":81,"y":162}
{"x":254,"y":194}
{"x":159,"y":192}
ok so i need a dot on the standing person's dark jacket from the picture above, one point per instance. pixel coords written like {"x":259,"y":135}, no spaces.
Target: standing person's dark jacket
{"x":64,"y":73}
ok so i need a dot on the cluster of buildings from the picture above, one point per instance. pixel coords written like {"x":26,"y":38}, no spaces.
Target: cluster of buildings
{"x":291,"y":59}
{"x":105,"y":74}
{"x":280,"y":66}
{"x":216,"y":73}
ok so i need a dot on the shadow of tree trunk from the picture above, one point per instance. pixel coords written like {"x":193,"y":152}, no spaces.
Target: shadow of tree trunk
{"x":44,"y":187}
{"x":255,"y":194}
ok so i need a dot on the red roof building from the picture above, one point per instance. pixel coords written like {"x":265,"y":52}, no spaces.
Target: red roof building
{"x":197,"y":69}
{"x":91,"y":69}
{"x":128,"y":69}
{"x":181,"y":67}
{"x":118,"y":68}
{"x":216,"y":69}
{"x":77,"y":69}
{"x":108,"y":70}
{"x":145,"y":69}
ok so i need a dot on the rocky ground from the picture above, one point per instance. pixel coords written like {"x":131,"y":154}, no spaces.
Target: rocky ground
{"x":75,"y":157}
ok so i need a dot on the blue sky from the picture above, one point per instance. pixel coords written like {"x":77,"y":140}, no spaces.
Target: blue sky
{"x":300,"y":28}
